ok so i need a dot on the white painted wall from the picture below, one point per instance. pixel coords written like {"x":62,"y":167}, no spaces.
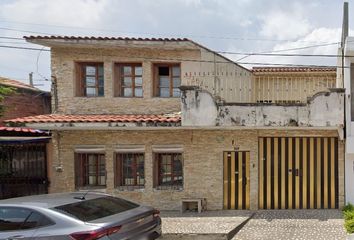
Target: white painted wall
{"x":349,"y":146}
{"x":325,"y":109}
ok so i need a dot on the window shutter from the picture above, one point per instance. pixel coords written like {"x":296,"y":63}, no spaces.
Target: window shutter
{"x":79,"y":88}
{"x":156,"y":170}
{"x":155,"y":81}
{"x":77,"y":169}
{"x":117,"y":81}
{"x":118,"y":171}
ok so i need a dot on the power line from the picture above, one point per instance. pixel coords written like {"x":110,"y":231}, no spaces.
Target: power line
{"x":235,"y":53}
{"x":26,"y":31}
{"x":24,"y":48}
{"x":145,"y":33}
{"x":209,"y":61}
{"x":12,"y":38}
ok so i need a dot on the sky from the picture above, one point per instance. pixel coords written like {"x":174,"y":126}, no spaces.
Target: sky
{"x":236,"y":26}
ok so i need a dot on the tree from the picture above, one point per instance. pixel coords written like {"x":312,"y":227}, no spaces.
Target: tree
{"x":4,"y":91}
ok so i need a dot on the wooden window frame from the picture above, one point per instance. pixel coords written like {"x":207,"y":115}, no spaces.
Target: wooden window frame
{"x":119,"y":168}
{"x":156,"y":78}
{"x":81,"y":78}
{"x":119,"y":75}
{"x":82,"y":170}
{"x":159,"y":176}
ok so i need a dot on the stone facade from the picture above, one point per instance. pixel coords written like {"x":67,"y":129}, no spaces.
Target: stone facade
{"x":202,"y":160}
{"x":197,"y":66}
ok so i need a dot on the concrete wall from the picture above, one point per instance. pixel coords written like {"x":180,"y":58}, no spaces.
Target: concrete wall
{"x":325,"y":109}
{"x":202,"y":161}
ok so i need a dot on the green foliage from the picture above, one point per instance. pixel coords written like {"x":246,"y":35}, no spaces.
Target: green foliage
{"x":349,"y":225}
{"x":348,"y":207}
{"x":348,"y":213}
{"x":4,"y":91}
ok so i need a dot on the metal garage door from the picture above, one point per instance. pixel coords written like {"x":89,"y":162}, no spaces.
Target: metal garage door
{"x":236,"y":180}
{"x":298,"y":172}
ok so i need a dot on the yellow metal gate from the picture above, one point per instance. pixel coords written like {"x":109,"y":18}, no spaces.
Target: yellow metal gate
{"x":236,"y":180}
{"x":298,"y":172}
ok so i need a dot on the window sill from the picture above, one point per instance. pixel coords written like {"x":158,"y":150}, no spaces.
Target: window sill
{"x":92,"y":188}
{"x":173,"y":188}
{"x":130,"y":188}
{"x":127,"y":97}
{"x":89,"y":97}
{"x":166,"y":97}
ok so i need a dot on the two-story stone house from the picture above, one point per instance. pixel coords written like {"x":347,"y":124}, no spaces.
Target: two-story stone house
{"x":158,"y":120}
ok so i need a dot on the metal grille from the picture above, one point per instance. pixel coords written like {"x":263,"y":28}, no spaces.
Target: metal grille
{"x":23,"y":170}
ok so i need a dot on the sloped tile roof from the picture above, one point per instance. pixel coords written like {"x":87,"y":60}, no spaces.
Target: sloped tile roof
{"x":56,"y":118}
{"x":105,"y":38}
{"x":17,"y":84}
{"x":293,"y":69}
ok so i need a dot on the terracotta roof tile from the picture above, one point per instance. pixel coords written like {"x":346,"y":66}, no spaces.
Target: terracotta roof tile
{"x":17,"y":84}
{"x":56,"y":118}
{"x":105,"y":38}
{"x":294,"y":69}
{"x":20,"y":129}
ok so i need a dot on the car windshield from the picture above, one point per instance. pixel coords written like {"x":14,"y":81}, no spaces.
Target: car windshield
{"x":89,"y":210}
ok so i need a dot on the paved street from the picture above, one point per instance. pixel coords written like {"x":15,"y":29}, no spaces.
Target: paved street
{"x":294,"y":224}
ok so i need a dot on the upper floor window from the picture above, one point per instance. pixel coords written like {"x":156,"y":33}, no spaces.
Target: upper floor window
{"x":167,"y":80}
{"x":90,"y":80}
{"x":129,"y":80}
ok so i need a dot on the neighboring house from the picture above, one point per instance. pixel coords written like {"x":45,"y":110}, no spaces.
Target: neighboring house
{"x":24,"y":155}
{"x":159,"y":120}
{"x":26,"y":100}
{"x":349,"y":118}
{"x":291,"y":84}
{"x":23,"y":151}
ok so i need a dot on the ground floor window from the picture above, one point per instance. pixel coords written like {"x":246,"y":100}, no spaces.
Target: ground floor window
{"x":129,"y":170}
{"x":169,"y":170}
{"x":90,"y":169}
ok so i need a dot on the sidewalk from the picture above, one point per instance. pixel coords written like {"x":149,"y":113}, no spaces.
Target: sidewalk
{"x":261,"y":224}
{"x":213,"y":225}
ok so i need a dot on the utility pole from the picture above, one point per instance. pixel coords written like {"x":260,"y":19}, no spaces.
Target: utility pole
{"x":31,"y":79}
{"x":345,"y":29}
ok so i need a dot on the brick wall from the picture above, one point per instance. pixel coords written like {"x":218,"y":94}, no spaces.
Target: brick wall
{"x":203,"y":161}
{"x":25,"y":103}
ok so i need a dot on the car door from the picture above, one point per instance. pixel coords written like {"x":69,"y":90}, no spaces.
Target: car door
{"x":12,"y":220}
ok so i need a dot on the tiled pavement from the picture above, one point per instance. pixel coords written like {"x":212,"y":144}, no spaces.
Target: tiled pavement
{"x":294,"y":224}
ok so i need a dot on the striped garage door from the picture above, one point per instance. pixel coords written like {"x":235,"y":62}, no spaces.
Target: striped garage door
{"x":298,"y":172}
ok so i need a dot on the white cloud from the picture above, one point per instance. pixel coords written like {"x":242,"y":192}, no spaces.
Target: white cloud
{"x":63,"y":12}
{"x":287,"y":23}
